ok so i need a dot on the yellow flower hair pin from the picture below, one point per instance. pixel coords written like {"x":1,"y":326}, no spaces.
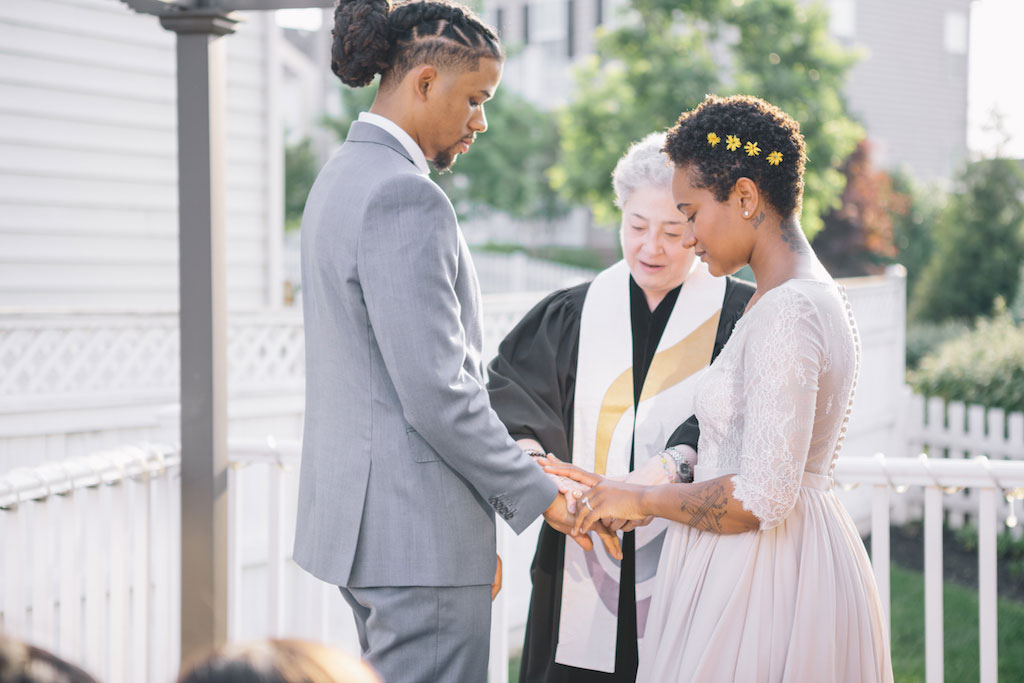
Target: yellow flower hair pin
{"x":732,"y":143}
{"x":775,"y":158}
{"x":713,"y":139}
{"x":752,"y":149}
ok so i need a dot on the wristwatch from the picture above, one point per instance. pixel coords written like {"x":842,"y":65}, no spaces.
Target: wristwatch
{"x":683,"y":469}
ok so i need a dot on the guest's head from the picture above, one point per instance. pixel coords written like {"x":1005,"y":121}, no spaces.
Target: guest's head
{"x":23,"y":663}
{"x":438,"y":64}
{"x":652,"y":226}
{"x":277,"y":661}
{"x":739,"y":164}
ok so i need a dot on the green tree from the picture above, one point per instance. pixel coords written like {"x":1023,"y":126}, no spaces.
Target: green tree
{"x":915,"y":212}
{"x":506,"y":168}
{"x":858,"y":236}
{"x":353,"y":101}
{"x":640,"y":79}
{"x":672,"y":53}
{"x":300,"y":169}
{"x":979,"y":245}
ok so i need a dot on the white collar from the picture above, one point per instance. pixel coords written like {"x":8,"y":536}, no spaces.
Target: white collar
{"x":404,"y":138}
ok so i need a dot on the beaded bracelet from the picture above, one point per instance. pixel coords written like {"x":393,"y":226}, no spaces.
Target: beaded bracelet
{"x":681,"y":469}
{"x":669,"y":467}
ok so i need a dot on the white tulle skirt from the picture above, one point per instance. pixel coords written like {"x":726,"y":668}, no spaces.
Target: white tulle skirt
{"x":793,"y":603}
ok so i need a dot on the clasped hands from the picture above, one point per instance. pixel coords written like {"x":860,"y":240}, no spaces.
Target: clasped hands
{"x":590,"y":502}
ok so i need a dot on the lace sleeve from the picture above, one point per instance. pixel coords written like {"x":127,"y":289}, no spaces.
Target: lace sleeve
{"x":781,"y":364}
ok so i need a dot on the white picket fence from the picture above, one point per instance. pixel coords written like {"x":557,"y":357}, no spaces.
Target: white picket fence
{"x":499,"y":273}
{"x":91,"y":561}
{"x":516,"y":272}
{"x":958,"y":431}
{"x":91,"y":555}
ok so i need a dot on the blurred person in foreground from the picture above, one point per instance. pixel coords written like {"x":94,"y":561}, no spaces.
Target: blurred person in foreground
{"x":24,"y":663}
{"x":277,"y":661}
{"x":404,"y":463}
{"x":763,"y":576}
{"x":603,"y":374}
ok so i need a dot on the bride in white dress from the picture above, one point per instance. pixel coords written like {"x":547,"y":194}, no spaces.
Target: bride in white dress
{"x":764,"y":578}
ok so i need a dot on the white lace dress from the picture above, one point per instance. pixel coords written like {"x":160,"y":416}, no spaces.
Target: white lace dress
{"x":795,"y":600}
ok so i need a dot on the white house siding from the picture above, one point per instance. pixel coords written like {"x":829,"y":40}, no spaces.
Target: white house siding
{"x":911,"y":87}
{"x":88,"y":170}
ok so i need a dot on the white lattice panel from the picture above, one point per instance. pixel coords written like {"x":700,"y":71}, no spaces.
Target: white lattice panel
{"x":62,"y":355}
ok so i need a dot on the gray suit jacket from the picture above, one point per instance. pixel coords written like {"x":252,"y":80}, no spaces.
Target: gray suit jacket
{"x":403,"y":460}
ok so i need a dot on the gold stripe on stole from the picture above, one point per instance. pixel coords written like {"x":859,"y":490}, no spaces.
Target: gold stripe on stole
{"x":669,"y":368}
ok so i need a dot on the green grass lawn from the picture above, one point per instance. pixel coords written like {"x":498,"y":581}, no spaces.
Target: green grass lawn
{"x":960,"y":628}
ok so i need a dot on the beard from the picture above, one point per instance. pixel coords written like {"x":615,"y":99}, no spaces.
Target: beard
{"x":445,"y":159}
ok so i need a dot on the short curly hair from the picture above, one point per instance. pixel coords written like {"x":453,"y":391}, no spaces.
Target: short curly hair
{"x":728,"y":138}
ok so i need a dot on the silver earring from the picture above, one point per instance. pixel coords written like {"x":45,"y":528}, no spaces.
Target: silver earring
{"x":746,"y":214}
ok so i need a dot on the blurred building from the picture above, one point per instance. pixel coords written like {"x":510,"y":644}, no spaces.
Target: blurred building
{"x":909,"y":90}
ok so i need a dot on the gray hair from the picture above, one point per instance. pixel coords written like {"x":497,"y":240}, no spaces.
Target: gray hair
{"x":643,"y":165}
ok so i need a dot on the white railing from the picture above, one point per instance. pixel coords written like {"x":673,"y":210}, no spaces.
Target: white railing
{"x":994,"y":481}
{"x":956,"y":431}
{"x":91,"y":555}
{"x":90,"y":566}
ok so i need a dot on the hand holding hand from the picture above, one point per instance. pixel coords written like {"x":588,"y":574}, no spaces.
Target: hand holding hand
{"x":571,"y":490}
{"x":611,"y":500}
{"x":553,"y":465}
{"x":629,"y":524}
{"x":557,"y":515}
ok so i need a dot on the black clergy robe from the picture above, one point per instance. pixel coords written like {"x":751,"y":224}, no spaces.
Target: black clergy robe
{"x":532,"y":384}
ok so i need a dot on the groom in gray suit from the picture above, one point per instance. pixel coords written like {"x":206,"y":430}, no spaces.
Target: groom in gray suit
{"x":404,"y":463}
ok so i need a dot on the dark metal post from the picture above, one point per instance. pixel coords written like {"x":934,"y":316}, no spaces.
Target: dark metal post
{"x":203,"y":325}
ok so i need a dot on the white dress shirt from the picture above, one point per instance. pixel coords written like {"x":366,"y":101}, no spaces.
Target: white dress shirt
{"x":408,"y":143}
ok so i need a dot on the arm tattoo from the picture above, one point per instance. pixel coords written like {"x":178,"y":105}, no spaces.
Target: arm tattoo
{"x":758,"y":221}
{"x":707,"y":514}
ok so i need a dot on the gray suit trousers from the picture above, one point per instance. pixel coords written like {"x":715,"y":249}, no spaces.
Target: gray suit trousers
{"x":424,"y":634}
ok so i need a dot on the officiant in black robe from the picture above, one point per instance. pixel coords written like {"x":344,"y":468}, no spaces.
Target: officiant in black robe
{"x":621,"y":354}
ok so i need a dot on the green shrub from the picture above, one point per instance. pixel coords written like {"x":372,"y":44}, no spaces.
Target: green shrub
{"x":1009,"y":547}
{"x":984,"y":366}
{"x":1016,"y":569}
{"x":967,"y":537}
{"x":925,"y":337}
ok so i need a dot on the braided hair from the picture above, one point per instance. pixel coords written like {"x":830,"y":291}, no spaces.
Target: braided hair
{"x":718,"y":166}
{"x":372,"y":36}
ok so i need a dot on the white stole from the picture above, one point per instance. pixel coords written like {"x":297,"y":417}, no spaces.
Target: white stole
{"x":605,"y":424}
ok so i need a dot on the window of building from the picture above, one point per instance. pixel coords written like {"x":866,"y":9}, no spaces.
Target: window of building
{"x":955,"y":32}
{"x":842,"y":21}
{"x":548,"y":21}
